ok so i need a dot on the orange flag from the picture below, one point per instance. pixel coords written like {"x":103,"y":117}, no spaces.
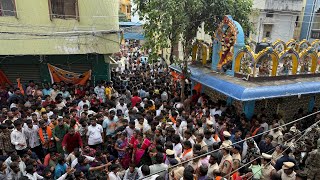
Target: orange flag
{"x":20,"y":86}
{"x":58,"y":75}
{"x":198,"y":87}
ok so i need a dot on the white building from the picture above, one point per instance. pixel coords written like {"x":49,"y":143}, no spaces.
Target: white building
{"x":276,"y":19}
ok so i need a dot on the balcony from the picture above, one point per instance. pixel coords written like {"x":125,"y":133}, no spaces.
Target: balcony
{"x":315,"y":34}
{"x":284,"y":5}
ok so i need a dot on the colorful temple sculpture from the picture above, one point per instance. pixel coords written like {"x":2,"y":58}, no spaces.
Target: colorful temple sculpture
{"x":282,"y":77}
{"x":281,"y":59}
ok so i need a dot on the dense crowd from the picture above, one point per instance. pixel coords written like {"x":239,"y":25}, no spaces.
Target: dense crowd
{"x":137,"y":127}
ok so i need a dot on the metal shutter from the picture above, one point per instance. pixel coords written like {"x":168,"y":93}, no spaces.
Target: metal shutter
{"x":25,"y":72}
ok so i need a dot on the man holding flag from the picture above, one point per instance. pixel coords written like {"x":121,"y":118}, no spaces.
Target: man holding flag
{"x":18,"y":93}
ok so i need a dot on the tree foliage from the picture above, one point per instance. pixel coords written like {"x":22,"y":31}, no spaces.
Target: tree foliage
{"x":171,"y":21}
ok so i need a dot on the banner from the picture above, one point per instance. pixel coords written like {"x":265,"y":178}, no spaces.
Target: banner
{"x":20,"y":86}
{"x":4,"y":81}
{"x":58,"y":75}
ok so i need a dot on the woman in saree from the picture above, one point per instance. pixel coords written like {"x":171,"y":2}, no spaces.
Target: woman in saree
{"x":139,"y":148}
{"x":121,"y":146}
{"x":133,"y":138}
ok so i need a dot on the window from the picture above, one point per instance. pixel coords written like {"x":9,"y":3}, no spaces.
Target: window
{"x":7,"y":8}
{"x":267,"y":29}
{"x":268,"y":34}
{"x":64,"y":9}
{"x":128,"y":9}
{"x":269,"y":14}
{"x":297,"y":24}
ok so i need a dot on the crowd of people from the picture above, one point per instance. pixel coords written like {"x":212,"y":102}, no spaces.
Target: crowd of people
{"x":137,"y":127}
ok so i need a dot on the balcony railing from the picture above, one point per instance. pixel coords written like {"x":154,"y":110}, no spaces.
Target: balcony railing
{"x":284,"y":5}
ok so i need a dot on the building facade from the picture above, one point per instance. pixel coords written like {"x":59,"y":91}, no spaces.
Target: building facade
{"x":125,"y":8}
{"x":311,"y":21}
{"x":276,"y":19}
{"x":76,"y":35}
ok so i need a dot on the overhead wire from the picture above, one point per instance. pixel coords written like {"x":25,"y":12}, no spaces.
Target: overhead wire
{"x":292,"y":143}
{"x":289,"y":146}
{"x":260,"y":134}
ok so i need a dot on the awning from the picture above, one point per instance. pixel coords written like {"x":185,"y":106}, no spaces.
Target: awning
{"x":136,"y":36}
{"x":244,"y":93}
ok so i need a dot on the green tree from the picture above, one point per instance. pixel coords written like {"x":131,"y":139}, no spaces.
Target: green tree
{"x":169,"y":21}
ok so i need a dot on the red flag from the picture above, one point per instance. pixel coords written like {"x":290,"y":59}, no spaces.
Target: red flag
{"x":20,"y":86}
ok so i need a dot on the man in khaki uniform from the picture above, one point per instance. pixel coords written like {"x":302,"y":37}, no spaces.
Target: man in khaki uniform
{"x":277,"y":135}
{"x":227,"y":136}
{"x":267,"y":169}
{"x":287,"y":173}
{"x":225,"y":165}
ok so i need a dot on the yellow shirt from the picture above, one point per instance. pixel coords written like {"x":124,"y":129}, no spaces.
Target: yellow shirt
{"x":108,"y":92}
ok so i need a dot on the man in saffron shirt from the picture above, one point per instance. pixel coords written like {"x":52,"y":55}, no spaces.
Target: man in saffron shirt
{"x":71,"y":141}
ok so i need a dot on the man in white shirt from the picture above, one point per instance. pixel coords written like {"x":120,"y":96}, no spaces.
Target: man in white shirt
{"x":18,"y":138}
{"x":100,"y":91}
{"x":177,"y":145}
{"x":144,"y":171}
{"x":32,"y":136}
{"x":75,"y":161}
{"x":130,"y":129}
{"x":15,"y":171}
{"x":87,"y":110}
{"x":32,"y":173}
{"x":95,"y":134}
{"x":122,"y":106}
{"x":54,"y":92}
{"x":164,"y":96}
{"x":188,"y":137}
{"x":142,"y":124}
{"x":264,"y":124}
{"x":159,"y":166}
{"x":83,"y":101}
{"x":113,"y":175}
{"x":213,"y":167}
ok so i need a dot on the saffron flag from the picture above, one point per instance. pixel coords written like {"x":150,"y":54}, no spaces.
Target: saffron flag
{"x":20,"y":86}
{"x":58,"y":75}
{"x":176,"y":76}
{"x":198,"y":87}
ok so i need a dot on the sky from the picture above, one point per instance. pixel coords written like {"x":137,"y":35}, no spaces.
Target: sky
{"x":135,"y":17}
